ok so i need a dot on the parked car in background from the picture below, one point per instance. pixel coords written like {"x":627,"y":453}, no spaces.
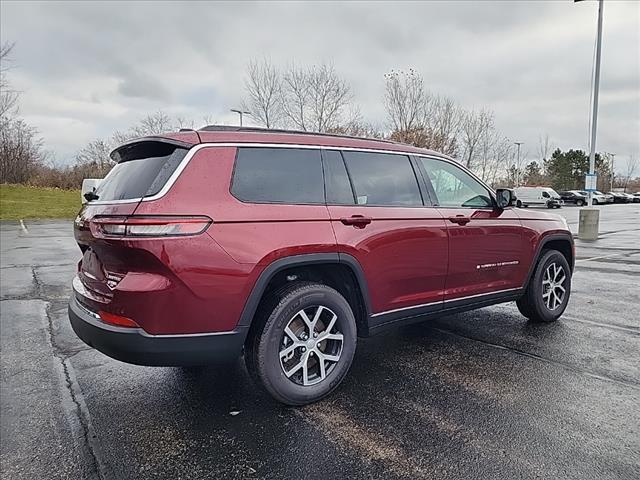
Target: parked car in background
{"x":632,"y":198}
{"x":636,"y":197}
{"x":599,"y":198}
{"x":573,"y":196}
{"x":620,"y":197}
{"x":541,"y":196}
{"x":288,"y":246}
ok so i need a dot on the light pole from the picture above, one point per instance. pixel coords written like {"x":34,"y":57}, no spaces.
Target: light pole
{"x":240,"y":112}
{"x":613,"y":155}
{"x":518,"y":162}
{"x":590,"y":217}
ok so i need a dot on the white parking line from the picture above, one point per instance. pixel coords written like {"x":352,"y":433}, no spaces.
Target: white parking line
{"x":24,"y":227}
{"x":598,"y":258}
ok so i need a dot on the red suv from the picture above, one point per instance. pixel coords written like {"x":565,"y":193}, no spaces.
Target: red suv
{"x":200,"y":245}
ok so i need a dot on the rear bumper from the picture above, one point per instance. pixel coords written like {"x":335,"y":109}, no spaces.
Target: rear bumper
{"x":134,"y":345}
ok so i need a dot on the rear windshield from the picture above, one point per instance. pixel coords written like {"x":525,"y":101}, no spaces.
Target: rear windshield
{"x":142,"y":170}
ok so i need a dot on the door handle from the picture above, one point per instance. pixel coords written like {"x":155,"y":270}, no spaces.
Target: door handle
{"x":460,"y":219}
{"x":358,"y":221}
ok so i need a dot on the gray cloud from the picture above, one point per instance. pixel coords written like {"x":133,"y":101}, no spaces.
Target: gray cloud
{"x":89,"y":68}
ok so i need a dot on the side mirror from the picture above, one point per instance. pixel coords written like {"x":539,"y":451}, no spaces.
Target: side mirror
{"x":88,"y":187}
{"x":504,"y":197}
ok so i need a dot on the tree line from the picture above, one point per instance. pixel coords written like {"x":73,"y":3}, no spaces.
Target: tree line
{"x":315,"y":98}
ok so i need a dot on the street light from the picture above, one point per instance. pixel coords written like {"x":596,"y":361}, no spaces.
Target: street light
{"x":240,"y":112}
{"x":518,"y":161}
{"x":612,"y":155}
{"x":590,"y":217}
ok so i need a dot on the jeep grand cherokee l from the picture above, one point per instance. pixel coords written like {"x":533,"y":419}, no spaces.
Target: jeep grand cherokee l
{"x":202,"y":245}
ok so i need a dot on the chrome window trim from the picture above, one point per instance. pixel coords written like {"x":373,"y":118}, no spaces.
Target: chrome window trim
{"x":196,"y":148}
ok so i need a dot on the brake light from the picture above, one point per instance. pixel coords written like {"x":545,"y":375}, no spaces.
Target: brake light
{"x":117,"y":320}
{"x":151,"y":226}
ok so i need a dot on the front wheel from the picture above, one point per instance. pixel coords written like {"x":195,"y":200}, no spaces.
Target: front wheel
{"x":594,"y":201}
{"x":547,"y":294}
{"x":303,"y":344}
{"x":579,"y":203}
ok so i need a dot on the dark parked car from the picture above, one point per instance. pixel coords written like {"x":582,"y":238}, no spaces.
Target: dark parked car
{"x":201,"y":246}
{"x":573,"y":196}
{"x":619,"y":197}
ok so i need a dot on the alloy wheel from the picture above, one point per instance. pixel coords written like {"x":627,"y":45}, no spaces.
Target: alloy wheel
{"x":311,"y":345}
{"x":553,"y":288}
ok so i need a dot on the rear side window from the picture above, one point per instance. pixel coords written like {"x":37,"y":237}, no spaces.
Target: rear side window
{"x":383,"y":179}
{"x":337,"y":184}
{"x":278,"y":175}
{"x":142,"y":170}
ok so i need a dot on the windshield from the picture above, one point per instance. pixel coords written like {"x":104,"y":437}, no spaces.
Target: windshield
{"x":142,"y":171}
{"x":553,"y":193}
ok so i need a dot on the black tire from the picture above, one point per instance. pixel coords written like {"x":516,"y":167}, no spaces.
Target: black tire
{"x":579,"y":203}
{"x":594,"y":201}
{"x":519,"y":203}
{"x":523,"y":306}
{"x":262,"y":349}
{"x":533,"y":304}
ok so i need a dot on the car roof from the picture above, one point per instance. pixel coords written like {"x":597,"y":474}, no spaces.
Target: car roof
{"x":229,"y":134}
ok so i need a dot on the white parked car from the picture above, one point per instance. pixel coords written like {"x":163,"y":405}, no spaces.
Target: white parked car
{"x":541,"y":196}
{"x":89,"y":185}
{"x":599,"y":198}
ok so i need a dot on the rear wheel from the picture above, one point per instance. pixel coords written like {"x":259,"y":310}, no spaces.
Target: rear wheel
{"x":594,"y":201}
{"x":579,"y":203}
{"x":519,"y":204}
{"x":303,"y":344}
{"x":547,"y":294}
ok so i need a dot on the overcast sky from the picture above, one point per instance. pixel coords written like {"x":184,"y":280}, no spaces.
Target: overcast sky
{"x":86,"y":69}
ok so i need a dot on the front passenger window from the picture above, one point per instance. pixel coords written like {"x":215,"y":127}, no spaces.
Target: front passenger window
{"x":454,"y":187}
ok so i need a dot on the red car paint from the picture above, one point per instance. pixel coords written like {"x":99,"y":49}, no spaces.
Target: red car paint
{"x":410,"y":256}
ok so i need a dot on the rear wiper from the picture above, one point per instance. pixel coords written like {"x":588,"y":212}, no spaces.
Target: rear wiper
{"x":91,"y":196}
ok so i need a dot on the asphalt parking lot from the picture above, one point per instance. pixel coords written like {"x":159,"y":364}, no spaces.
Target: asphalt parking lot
{"x":477,"y":395}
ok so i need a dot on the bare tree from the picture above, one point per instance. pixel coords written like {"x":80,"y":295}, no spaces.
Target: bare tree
{"x":314,"y":98}
{"x":329,"y":95}
{"x":417,"y":117}
{"x":630,"y":171}
{"x":544,"y":147}
{"x":153,"y":124}
{"x":295,"y":97}
{"x":20,"y":150}
{"x":8,"y":96}
{"x":357,"y":127}
{"x":405,"y":100}
{"x":473,"y":127}
{"x":263,"y":86}
{"x":96,"y":153}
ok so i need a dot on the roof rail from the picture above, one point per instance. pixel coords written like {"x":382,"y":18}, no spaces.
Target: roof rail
{"x":232,"y":128}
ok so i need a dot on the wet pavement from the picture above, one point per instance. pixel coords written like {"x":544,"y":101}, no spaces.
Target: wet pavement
{"x":483,"y":394}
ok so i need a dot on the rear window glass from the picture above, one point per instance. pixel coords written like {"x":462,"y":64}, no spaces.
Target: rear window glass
{"x":278,"y":175}
{"x":382,"y":179}
{"x":337,"y":185}
{"x":142,"y":171}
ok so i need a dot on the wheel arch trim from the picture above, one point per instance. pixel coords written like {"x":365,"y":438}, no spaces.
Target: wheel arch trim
{"x":544,"y":241}
{"x":260,"y":286}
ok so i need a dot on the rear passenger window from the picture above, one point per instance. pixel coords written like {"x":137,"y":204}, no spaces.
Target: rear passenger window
{"x":383,"y":179}
{"x":337,"y":186}
{"x":278,"y":175}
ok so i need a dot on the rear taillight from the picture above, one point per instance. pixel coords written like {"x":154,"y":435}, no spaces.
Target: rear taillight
{"x":150,"y":226}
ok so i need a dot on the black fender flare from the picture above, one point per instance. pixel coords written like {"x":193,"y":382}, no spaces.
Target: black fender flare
{"x":251,"y":305}
{"x":545,"y":240}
